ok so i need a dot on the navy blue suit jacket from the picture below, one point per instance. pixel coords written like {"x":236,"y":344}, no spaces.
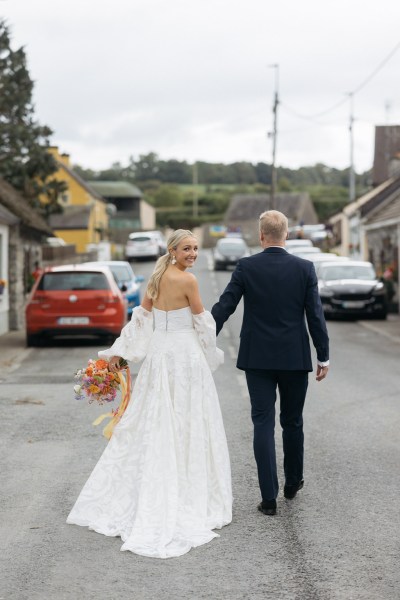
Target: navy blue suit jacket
{"x":280,"y":292}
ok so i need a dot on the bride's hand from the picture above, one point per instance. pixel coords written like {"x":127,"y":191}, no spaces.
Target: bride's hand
{"x":114,"y":363}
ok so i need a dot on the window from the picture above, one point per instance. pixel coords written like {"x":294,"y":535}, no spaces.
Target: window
{"x":75,"y":281}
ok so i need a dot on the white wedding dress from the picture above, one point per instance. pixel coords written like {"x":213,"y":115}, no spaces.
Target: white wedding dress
{"x":163,"y":483}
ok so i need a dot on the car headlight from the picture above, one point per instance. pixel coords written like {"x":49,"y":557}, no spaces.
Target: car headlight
{"x":325,"y":292}
{"x":379,"y":289}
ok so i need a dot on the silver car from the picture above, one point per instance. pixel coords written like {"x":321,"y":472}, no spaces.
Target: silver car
{"x":145,"y":244}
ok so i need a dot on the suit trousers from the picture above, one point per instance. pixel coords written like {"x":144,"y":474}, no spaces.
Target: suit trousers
{"x":292,"y":385}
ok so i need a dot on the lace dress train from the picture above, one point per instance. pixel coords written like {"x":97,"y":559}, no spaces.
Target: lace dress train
{"x":163,"y":483}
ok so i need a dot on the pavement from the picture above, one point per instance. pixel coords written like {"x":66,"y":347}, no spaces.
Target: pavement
{"x":13,"y":348}
{"x":13,"y":351}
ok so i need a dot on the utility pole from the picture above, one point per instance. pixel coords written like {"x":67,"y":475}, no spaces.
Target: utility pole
{"x":194,"y":186}
{"x":274,"y":136}
{"x":352,"y":179}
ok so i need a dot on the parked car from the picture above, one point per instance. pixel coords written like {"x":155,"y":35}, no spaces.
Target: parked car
{"x":127,"y":281}
{"x":320,"y":258}
{"x":351,"y":288}
{"x":316,"y":232}
{"x":304,"y":250}
{"x":146,"y":244}
{"x":228,"y":251}
{"x":162,"y":244}
{"x":74,"y":300}
{"x":298,"y":243}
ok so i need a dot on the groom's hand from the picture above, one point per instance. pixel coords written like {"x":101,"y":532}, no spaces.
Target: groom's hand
{"x":322,"y":372}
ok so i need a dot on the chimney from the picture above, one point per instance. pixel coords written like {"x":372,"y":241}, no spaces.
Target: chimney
{"x":65,"y":159}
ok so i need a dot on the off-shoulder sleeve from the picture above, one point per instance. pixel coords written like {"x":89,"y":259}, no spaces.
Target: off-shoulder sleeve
{"x":135,"y":337}
{"x":204,"y":325}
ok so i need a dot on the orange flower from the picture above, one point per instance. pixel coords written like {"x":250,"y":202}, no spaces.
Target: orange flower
{"x":101,"y":364}
{"x":94,"y":389}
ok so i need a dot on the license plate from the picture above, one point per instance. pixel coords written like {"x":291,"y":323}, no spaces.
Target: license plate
{"x":73,"y":321}
{"x":353,"y":304}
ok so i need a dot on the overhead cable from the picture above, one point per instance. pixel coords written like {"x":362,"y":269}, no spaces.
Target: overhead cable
{"x":345,"y":99}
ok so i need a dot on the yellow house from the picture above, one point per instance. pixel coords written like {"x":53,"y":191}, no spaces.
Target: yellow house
{"x":84,"y":219}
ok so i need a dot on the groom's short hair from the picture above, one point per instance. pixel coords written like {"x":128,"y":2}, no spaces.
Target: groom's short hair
{"x":274,"y":225}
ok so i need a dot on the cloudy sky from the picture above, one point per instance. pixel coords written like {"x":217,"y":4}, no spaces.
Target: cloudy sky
{"x":192,"y":79}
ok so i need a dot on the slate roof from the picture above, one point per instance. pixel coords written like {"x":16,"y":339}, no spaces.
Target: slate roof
{"x":369,"y":201}
{"x":296,"y":206}
{"x":73,"y":217}
{"x":16,"y":204}
{"x":388,"y":211}
{"x":116,"y":189}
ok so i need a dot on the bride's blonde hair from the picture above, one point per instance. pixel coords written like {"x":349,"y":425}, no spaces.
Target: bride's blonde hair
{"x":174,"y":239}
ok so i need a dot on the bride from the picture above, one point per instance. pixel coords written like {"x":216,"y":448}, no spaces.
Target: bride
{"x":163,"y":483}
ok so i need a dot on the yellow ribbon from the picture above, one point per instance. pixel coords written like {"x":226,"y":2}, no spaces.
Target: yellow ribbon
{"x":116,"y":415}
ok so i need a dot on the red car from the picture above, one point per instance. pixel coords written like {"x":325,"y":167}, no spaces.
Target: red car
{"x":74,"y":300}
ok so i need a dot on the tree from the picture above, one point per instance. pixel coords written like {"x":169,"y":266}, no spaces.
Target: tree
{"x":168,"y":195}
{"x":147,"y":167}
{"x":24,"y":160}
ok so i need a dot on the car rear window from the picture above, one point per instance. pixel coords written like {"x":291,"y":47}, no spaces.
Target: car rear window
{"x":142,"y":238}
{"x":76,"y":280}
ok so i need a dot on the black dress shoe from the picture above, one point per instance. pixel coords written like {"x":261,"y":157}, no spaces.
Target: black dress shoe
{"x":289,"y":491}
{"x":267,"y":507}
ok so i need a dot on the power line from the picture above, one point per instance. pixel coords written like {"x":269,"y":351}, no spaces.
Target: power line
{"x":378,"y":68}
{"x":345,"y":99}
{"x":316,"y":115}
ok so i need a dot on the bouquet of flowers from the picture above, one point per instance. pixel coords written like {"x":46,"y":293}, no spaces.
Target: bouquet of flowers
{"x":98,"y":384}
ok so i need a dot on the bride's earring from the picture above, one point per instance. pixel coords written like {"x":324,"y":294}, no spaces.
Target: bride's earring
{"x":173,"y":260}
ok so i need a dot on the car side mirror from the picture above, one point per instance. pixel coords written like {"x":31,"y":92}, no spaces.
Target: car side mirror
{"x":139,"y":278}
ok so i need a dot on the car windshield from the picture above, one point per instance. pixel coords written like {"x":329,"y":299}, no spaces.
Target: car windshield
{"x":83,"y":280}
{"x":122,"y":273}
{"x":333,"y":272}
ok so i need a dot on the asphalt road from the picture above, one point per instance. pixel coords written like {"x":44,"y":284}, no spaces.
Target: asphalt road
{"x":338,"y":539}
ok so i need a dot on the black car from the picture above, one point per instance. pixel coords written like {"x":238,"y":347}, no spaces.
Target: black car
{"x":228,"y":251}
{"x":351,"y":288}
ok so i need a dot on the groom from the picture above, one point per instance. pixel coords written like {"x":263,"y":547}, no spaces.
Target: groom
{"x":279,"y":291}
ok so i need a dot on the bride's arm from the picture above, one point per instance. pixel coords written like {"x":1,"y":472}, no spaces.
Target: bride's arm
{"x":193,"y":294}
{"x":114,"y":361}
{"x":133,"y":342}
{"x":204,"y":325}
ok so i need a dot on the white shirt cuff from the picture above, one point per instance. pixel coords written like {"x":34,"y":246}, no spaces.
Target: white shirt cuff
{"x":323,"y":364}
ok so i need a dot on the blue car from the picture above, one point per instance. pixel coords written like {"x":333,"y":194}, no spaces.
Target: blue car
{"x":128,"y":282}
